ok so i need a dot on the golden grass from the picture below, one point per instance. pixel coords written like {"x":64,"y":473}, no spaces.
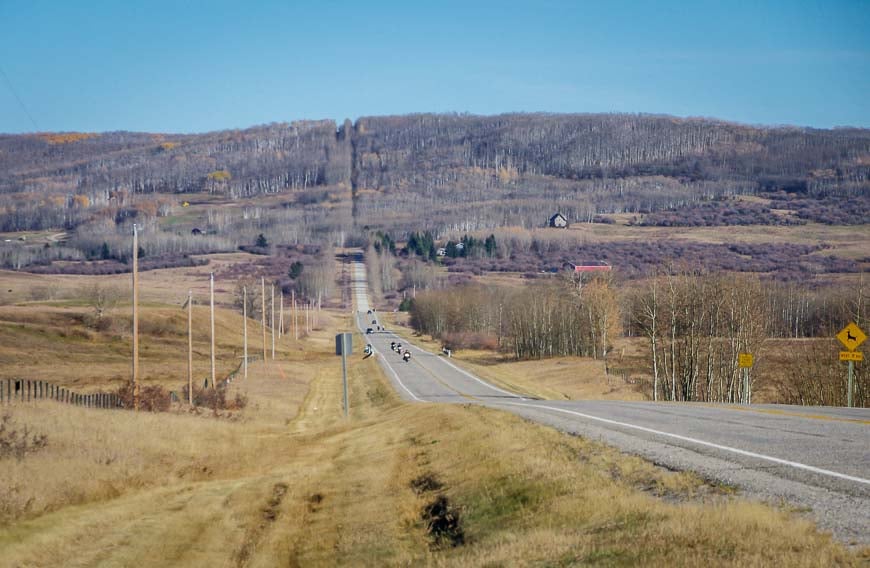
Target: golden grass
{"x":155,"y":286}
{"x":59,"y":344}
{"x":293,"y":483}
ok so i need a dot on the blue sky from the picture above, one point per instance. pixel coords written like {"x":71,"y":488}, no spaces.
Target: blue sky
{"x":198,"y":66}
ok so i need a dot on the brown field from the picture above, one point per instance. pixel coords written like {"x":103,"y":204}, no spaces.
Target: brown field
{"x":163,"y":286}
{"x":289,"y":481}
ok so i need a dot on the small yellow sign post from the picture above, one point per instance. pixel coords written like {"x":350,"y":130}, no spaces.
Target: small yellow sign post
{"x":745,"y":362}
{"x":851,"y":337}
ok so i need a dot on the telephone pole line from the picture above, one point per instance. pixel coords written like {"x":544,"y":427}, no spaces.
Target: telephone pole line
{"x":295,"y":317}
{"x":272,"y":319}
{"x":190,"y":347}
{"x":211,"y":290}
{"x":245,"y":327}
{"x":135,"y":318}
{"x":263,"y":315}
{"x":281,"y":317}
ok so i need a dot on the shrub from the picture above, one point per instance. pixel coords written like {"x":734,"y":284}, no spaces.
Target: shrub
{"x":215,"y":399}
{"x":17,"y":443}
{"x":470,"y":340}
{"x":152,"y":398}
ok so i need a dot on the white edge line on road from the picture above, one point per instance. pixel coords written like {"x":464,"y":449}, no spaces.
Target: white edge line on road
{"x":796,"y":465}
{"x":389,"y":367}
{"x":481,"y":381}
{"x":398,"y":380}
{"x":461,"y":370}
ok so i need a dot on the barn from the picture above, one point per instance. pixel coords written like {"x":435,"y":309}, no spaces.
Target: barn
{"x":591,"y":266}
{"x":558,"y":221}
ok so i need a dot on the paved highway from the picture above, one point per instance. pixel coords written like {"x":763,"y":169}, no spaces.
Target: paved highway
{"x":814,"y":458}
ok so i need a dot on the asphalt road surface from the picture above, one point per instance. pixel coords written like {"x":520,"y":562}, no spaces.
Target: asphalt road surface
{"x":815,"y":459}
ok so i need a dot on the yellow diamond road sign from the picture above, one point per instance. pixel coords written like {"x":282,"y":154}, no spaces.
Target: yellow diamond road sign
{"x":851,"y":337}
{"x":745,"y":360}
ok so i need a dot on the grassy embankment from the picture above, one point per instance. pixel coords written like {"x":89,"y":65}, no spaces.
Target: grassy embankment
{"x":290,"y":482}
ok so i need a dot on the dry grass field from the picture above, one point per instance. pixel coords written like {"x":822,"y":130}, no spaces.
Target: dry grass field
{"x":288,"y":481}
{"x":291,"y":483}
{"x":156,"y":286}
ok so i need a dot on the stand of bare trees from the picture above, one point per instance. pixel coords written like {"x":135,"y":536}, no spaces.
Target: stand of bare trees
{"x":696,"y":325}
{"x":380,"y":268}
{"x":317,"y":282}
{"x":543,"y":320}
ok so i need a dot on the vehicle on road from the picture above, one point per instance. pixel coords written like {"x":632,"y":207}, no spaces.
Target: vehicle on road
{"x":406,"y":356}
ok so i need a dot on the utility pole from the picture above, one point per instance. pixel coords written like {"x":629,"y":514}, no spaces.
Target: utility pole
{"x":263,"y":315}
{"x":190,"y":347}
{"x":849,"y":385}
{"x":211,"y":290}
{"x":295,"y":317}
{"x":272,"y":319}
{"x":245,"y":327}
{"x":281,"y":317}
{"x":135,"y":318}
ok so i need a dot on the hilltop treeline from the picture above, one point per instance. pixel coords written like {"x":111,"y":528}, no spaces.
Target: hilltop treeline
{"x":436,"y":172}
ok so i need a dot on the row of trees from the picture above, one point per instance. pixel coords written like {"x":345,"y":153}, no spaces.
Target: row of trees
{"x":544,"y":320}
{"x":694,"y":326}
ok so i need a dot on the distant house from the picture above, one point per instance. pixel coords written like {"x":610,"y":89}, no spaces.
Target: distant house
{"x":196,"y":231}
{"x":592,"y":266}
{"x":559,"y":221}
{"x":459,"y":246}
{"x":441,"y":252}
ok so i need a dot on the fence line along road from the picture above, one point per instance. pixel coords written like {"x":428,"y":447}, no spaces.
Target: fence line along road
{"x":26,"y":390}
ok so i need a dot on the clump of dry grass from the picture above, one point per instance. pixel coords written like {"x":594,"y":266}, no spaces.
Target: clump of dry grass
{"x":17,"y":442}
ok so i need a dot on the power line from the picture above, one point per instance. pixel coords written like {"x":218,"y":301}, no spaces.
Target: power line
{"x":17,"y":98}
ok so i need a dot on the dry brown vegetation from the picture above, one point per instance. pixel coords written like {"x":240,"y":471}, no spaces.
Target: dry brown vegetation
{"x":289,"y":481}
{"x":281,"y":487}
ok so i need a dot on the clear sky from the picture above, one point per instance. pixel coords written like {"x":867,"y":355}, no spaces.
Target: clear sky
{"x":196,"y":66}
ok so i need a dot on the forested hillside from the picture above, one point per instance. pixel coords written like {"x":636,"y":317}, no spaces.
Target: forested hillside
{"x":442,"y":172}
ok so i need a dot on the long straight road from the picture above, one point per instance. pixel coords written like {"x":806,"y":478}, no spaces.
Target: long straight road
{"x":812,"y":457}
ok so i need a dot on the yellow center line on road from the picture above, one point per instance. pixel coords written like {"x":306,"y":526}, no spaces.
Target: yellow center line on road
{"x":434,"y":376}
{"x":778,"y":412}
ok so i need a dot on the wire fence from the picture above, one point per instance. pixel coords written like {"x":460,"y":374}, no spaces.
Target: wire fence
{"x":26,"y":390}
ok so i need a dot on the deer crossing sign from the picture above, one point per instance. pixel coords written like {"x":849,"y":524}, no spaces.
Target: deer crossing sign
{"x":851,"y":337}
